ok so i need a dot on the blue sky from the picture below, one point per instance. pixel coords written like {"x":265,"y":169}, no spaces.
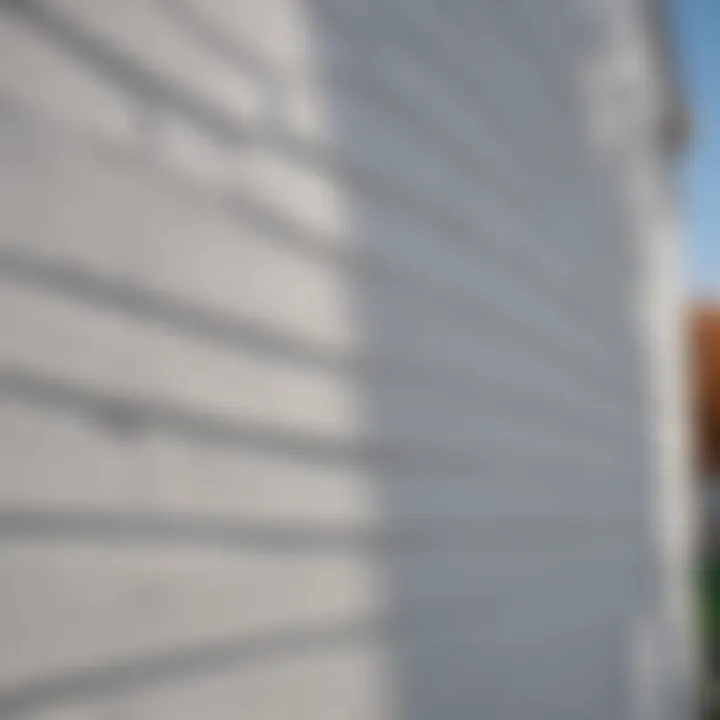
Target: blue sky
{"x":695,"y":26}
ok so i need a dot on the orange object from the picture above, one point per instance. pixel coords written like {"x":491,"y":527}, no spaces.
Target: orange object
{"x":705,"y":339}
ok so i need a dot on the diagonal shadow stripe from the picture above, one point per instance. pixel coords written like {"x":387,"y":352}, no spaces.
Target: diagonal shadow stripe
{"x":456,"y":532}
{"x":123,"y":71}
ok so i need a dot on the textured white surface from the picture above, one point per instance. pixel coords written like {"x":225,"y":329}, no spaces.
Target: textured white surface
{"x":330,"y":360}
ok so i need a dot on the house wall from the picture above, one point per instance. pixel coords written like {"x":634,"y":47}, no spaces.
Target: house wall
{"x":338,"y":363}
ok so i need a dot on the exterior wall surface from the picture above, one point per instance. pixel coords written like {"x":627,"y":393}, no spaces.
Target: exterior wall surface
{"x":337,"y":363}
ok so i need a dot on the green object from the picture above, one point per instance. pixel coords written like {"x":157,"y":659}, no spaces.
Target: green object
{"x":709,"y":593}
